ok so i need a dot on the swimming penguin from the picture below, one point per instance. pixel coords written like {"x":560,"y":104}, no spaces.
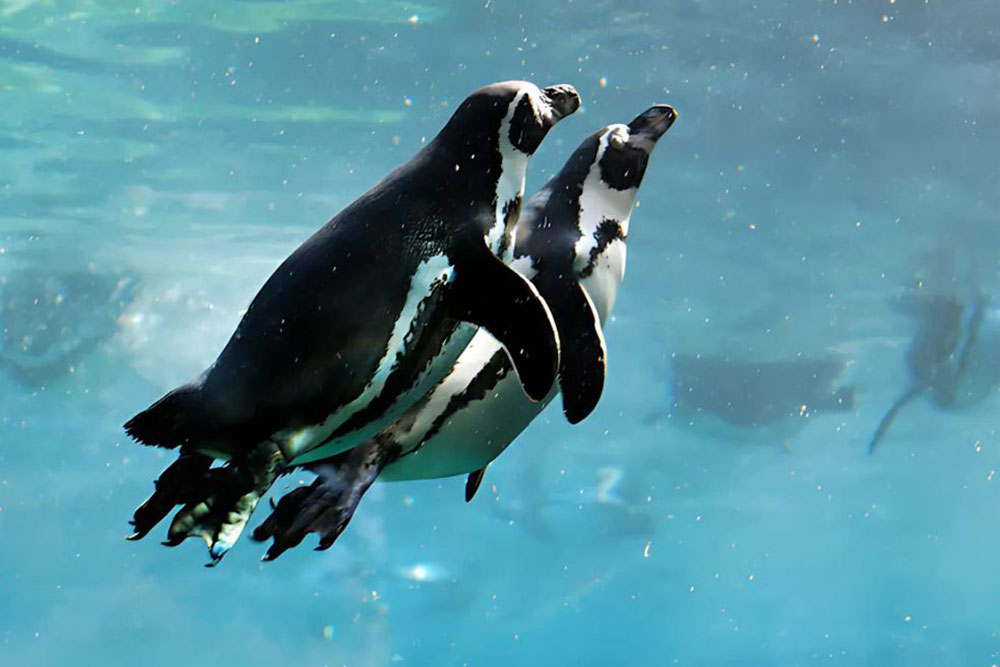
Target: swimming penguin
{"x":756,"y":400}
{"x":50,"y":320}
{"x":954,"y":356}
{"x":571,"y":243}
{"x":362,"y":318}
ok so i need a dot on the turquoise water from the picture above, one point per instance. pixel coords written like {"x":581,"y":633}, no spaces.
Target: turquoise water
{"x":825,"y":154}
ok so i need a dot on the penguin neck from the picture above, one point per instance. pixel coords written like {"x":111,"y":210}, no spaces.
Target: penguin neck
{"x":603,"y":282}
{"x":602,"y":270}
{"x":509,"y":186}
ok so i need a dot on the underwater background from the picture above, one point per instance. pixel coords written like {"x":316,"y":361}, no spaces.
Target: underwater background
{"x":159,"y":158}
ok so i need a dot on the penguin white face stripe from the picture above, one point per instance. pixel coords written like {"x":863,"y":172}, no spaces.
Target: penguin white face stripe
{"x":431,"y":273}
{"x":600,"y":202}
{"x":510,"y":184}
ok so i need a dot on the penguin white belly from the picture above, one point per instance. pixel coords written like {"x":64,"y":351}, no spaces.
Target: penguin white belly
{"x":603,"y":282}
{"x":474,"y":433}
{"x":469,"y":435}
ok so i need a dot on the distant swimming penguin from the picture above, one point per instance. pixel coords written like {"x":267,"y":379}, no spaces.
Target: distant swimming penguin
{"x":362,"y":318}
{"x":954,"y":355}
{"x":571,"y":243}
{"x":51,"y":320}
{"x":755,"y":401}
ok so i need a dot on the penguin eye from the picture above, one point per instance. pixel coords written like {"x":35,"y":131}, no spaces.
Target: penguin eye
{"x":617,"y":141}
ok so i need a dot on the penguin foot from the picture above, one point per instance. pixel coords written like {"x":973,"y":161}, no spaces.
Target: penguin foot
{"x":326,"y":506}
{"x":182,"y":482}
{"x":219,"y":517}
{"x":216,"y":503}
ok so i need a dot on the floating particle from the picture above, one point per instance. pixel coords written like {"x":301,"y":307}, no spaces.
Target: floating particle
{"x":407,"y":101}
{"x":328,"y":632}
{"x":815,"y":38}
{"x":602,"y":82}
{"x":413,"y":20}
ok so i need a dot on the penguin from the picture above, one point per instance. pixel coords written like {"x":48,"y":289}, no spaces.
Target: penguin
{"x":570,"y":241}
{"x":50,"y":321}
{"x":954,"y":356}
{"x":744,"y":400}
{"x":365,"y":315}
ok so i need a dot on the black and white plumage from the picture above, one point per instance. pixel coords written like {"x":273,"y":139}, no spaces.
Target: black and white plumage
{"x":571,"y":244}
{"x":362,"y":318}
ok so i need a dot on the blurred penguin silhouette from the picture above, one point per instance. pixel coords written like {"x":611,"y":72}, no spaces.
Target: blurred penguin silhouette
{"x":954,"y":356}
{"x":756,"y":400}
{"x":51,"y":320}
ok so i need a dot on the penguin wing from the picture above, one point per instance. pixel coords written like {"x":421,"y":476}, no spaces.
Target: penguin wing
{"x":582,"y":354}
{"x":492,"y":295}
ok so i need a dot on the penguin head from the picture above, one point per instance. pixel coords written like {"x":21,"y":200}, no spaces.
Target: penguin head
{"x":535,"y":111}
{"x":592,"y":195}
{"x":623,"y":162}
{"x":519,"y":112}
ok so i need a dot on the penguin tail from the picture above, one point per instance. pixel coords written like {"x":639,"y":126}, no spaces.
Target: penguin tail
{"x":171,"y":421}
{"x":890,"y":415}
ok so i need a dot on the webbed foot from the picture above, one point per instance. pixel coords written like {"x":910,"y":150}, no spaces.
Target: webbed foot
{"x":326,"y":506}
{"x":216,"y":502}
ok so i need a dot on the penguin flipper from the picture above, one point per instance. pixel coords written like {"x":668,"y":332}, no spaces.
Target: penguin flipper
{"x":492,"y":295}
{"x":472,"y":483}
{"x":582,"y":358}
{"x":890,"y":415}
{"x":327,"y":505}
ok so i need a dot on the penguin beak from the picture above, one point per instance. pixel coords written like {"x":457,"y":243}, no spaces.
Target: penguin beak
{"x":653,"y":122}
{"x":563,"y":100}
